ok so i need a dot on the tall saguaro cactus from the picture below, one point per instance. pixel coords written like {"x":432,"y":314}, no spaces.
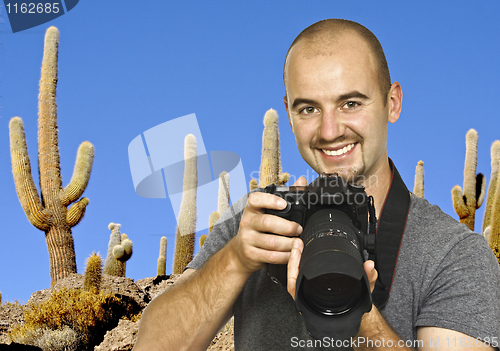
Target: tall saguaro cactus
{"x":494,"y":183}
{"x":467,"y":201}
{"x":50,"y":213}
{"x":270,"y":166}
{"x":184,"y":240}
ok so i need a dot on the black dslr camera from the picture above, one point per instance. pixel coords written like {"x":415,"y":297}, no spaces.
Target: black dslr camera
{"x":332,"y":290}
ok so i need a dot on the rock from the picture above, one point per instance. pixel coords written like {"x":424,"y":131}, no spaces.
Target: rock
{"x":116,"y":285}
{"x":154,"y":286}
{"x":121,"y":338}
{"x":10,"y":314}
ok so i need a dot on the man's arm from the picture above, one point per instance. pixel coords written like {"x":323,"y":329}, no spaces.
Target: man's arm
{"x":189,"y":315}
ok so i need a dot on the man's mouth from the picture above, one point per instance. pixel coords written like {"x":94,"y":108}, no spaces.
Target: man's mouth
{"x":339,"y":152}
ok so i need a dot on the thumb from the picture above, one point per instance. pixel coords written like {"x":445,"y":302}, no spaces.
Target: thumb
{"x":300,"y":182}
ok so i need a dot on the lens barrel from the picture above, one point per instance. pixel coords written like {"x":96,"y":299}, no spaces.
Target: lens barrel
{"x":333,"y":291}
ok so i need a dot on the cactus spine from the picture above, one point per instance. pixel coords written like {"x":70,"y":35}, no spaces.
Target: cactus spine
{"x":119,"y":251}
{"x":184,"y":241}
{"x":162,"y":259}
{"x":418,"y":188}
{"x":93,"y":273}
{"x":51,"y":213}
{"x":467,"y":201}
{"x":494,"y":183}
{"x":270,"y":166}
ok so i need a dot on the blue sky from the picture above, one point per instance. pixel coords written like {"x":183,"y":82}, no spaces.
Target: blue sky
{"x":125,"y":68}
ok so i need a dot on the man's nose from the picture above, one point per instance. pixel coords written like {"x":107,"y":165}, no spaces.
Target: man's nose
{"x":331,"y":125}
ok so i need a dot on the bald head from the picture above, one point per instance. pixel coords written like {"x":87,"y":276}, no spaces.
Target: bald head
{"x":320,"y":39}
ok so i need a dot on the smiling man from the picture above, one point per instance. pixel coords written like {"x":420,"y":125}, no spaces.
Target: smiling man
{"x":441,"y":290}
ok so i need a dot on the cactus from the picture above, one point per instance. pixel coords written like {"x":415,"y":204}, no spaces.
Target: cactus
{"x":494,"y":181}
{"x":418,"y":188}
{"x":253,"y":184}
{"x":162,"y":259}
{"x":119,"y":251}
{"x":202,"y":239}
{"x":223,"y":199}
{"x":184,"y":241}
{"x":492,"y":231}
{"x":270,"y":166}
{"x":93,"y":274}
{"x":49,"y":212}
{"x":214,"y":217}
{"x":467,"y":201}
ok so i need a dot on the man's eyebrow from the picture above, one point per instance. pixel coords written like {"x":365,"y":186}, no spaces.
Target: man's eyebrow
{"x":298,"y":102}
{"x":353,"y":94}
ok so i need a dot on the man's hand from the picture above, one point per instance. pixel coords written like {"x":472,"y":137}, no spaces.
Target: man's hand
{"x":264,"y":238}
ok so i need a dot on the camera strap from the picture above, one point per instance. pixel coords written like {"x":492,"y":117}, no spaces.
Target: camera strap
{"x":389,"y":236}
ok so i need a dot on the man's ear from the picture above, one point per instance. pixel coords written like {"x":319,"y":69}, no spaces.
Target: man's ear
{"x":395,"y":101}
{"x":288,"y":113}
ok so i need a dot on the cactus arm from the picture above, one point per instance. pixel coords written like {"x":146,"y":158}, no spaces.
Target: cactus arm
{"x":23,"y":179}
{"x":76,"y":212}
{"x":495,"y":167}
{"x":493,"y":229}
{"x":81,"y":174}
{"x":418,"y":188}
{"x":480,"y":189}
{"x":458,"y":202}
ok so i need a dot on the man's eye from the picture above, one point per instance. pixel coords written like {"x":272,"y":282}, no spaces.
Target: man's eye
{"x":351,"y":104}
{"x":308,"y":110}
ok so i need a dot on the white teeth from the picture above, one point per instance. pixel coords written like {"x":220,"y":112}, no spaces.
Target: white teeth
{"x":339,"y":151}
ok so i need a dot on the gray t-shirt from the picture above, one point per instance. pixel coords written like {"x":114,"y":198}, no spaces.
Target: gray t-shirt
{"x":446,"y":276}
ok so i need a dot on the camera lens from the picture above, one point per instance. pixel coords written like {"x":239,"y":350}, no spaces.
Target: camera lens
{"x":332,"y":293}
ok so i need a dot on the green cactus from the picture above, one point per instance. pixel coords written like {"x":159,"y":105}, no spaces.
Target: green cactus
{"x":93,"y":274}
{"x":418,"y":188}
{"x":51,"y":214}
{"x":162,"y":259}
{"x":467,"y":201}
{"x":119,"y":252}
{"x":184,"y":241}
{"x":495,"y":171}
{"x":270,"y":166}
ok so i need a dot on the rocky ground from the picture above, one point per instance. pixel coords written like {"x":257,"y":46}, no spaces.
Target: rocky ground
{"x":123,"y":336}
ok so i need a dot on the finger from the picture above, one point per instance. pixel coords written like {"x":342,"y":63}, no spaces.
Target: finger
{"x":258,"y":201}
{"x":371,"y":273}
{"x":269,"y":223}
{"x":293,"y":267}
{"x":300,"y":182}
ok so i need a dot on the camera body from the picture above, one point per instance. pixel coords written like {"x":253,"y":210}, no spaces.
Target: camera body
{"x":338,"y":218}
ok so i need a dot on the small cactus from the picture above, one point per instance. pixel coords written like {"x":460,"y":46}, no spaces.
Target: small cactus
{"x":418,"y":188}
{"x":253,"y":184}
{"x":184,"y":241}
{"x":93,"y":273}
{"x":202,"y":239}
{"x":162,"y":259}
{"x":214,"y":217}
{"x":467,"y":201}
{"x":119,"y":251}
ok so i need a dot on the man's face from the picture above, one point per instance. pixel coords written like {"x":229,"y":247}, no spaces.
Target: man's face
{"x":336,"y":108}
